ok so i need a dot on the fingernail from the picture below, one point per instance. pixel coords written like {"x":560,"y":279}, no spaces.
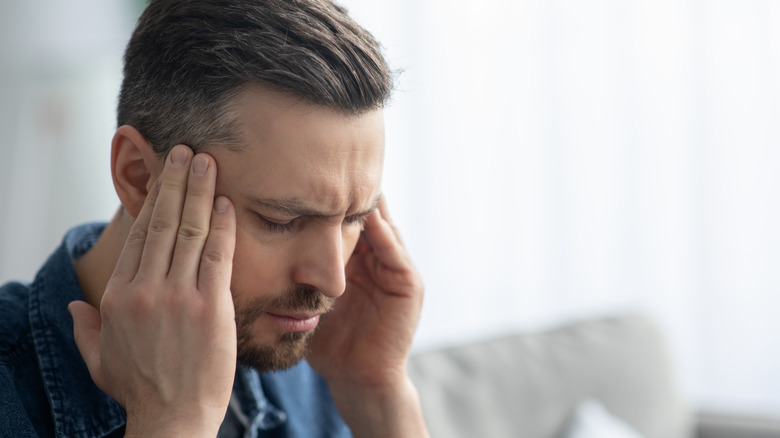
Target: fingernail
{"x":178,"y":157}
{"x":200,"y":165}
{"x":221,"y":204}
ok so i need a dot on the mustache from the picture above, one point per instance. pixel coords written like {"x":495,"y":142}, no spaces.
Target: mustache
{"x":294,"y":300}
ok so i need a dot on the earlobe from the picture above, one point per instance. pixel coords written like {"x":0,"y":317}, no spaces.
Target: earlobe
{"x":134,"y":167}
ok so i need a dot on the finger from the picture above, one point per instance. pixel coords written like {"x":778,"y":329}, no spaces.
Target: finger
{"x":195,"y":218}
{"x":216,"y":264}
{"x":86,"y":332}
{"x":130,"y":258}
{"x":386,"y":216}
{"x":384,"y":242}
{"x":383,"y":209}
{"x":164,"y":223}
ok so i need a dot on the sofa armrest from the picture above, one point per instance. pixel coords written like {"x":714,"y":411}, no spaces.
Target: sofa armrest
{"x":716,"y":425}
{"x":529,"y":384}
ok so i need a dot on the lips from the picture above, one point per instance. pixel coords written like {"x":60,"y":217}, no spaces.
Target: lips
{"x":298,"y":316}
{"x":297,"y":322}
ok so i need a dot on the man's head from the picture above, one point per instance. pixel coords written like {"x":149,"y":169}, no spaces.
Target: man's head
{"x":287,"y":97}
{"x":186,"y":60}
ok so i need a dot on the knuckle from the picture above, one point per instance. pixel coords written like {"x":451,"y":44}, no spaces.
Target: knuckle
{"x":197,"y":189}
{"x":198,"y":310}
{"x":141,"y":304}
{"x":136,"y":237}
{"x":222,"y":228}
{"x":175,"y":184}
{"x":107,"y":307}
{"x":160,"y":225}
{"x":214,"y":256}
{"x":190,"y":231}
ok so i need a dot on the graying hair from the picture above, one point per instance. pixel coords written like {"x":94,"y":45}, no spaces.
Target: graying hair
{"x":187,"y":59}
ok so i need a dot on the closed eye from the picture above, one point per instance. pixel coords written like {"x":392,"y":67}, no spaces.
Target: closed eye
{"x":278,"y":227}
{"x":357,"y":220}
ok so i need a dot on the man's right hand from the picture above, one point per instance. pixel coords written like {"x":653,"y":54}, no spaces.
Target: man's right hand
{"x":164,"y":341}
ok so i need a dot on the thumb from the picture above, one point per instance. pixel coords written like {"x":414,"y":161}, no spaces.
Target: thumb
{"x":86,"y":332}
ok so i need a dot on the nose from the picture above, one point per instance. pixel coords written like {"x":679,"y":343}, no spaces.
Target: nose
{"x":320,"y":262}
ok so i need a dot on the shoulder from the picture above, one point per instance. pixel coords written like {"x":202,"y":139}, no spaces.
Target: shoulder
{"x":22,"y":397}
{"x":14,"y":321}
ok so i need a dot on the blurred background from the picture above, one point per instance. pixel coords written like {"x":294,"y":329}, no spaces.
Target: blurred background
{"x":547,"y":161}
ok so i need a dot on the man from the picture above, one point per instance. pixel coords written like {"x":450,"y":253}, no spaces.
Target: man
{"x":252,"y":233}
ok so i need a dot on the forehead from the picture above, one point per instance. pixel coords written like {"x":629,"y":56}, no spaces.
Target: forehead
{"x":293,"y":149}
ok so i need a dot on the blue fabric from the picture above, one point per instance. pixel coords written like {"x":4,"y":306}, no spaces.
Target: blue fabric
{"x":46,"y":390}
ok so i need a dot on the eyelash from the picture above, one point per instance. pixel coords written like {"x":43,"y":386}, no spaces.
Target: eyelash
{"x":279,"y":228}
{"x":290,"y":226}
{"x":360,"y":220}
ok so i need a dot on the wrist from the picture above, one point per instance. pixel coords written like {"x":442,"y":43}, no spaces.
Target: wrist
{"x":389,"y":410}
{"x":167,"y":430}
{"x":179,"y":424}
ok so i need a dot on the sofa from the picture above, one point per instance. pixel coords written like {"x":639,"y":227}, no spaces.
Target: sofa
{"x":534,"y":385}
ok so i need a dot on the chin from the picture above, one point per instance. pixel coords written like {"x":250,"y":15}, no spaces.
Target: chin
{"x":286,"y":351}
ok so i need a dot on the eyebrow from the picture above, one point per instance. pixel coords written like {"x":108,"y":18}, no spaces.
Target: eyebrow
{"x":297,"y":207}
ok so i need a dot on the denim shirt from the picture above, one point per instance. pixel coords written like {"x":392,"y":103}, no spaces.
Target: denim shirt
{"x":46,"y":389}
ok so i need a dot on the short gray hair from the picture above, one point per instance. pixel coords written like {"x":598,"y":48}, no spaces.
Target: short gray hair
{"x":187,"y":59}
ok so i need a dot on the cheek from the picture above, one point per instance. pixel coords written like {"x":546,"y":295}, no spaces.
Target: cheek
{"x":258,"y":269}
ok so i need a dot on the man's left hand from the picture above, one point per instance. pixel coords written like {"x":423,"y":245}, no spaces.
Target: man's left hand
{"x":362,"y":346}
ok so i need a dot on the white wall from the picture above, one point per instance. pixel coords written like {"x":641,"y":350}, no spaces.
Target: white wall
{"x":547,"y":160}
{"x":559,"y":159}
{"x":60,"y":70}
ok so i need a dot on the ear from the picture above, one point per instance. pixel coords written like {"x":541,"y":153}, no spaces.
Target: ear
{"x":134,"y":168}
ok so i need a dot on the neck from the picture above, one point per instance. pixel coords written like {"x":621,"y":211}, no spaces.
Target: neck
{"x":94,"y":268}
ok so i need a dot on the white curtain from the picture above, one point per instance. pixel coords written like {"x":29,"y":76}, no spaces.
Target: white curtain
{"x":552,"y":160}
{"x":547,"y":160}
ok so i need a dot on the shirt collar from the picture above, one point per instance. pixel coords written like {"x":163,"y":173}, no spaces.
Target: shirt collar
{"x":258,"y":411}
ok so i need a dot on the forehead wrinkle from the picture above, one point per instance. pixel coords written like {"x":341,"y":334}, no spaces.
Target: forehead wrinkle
{"x":299,"y":207}
{"x":290,"y":206}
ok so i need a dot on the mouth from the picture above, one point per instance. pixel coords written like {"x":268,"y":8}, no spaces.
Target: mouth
{"x":297,"y":322}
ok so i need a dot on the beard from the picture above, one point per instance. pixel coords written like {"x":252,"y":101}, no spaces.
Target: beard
{"x":290,"y":347}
